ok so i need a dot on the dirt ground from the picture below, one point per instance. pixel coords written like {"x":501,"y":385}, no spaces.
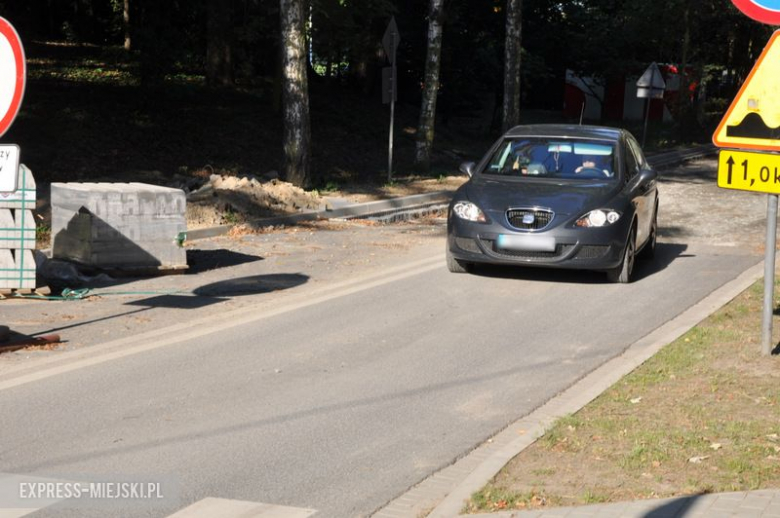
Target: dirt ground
{"x":694,"y":208}
{"x":237,"y":199}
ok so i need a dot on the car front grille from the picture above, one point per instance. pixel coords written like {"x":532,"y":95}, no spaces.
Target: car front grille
{"x":560,"y":251}
{"x":467,"y":244}
{"x":540,"y":218}
{"x":592,"y":252}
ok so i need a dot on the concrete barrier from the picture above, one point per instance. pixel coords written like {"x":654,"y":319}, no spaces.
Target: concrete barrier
{"x":118,"y":225}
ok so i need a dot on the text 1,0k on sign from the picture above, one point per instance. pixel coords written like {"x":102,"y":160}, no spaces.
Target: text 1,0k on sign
{"x":748,"y":171}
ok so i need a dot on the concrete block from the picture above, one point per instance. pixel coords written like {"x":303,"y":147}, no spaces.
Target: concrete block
{"x":17,"y":269}
{"x":17,"y":229}
{"x":24,"y":196}
{"x":117,"y":225}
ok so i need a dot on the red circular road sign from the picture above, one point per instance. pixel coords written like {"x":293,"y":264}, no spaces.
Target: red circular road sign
{"x":13,"y":74}
{"x":765,"y":11}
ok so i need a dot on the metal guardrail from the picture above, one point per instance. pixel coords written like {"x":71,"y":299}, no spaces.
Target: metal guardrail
{"x":670,"y":158}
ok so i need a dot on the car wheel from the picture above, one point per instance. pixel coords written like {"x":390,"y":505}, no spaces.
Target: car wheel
{"x":648,"y":252}
{"x":456,"y":265}
{"x":622,"y":274}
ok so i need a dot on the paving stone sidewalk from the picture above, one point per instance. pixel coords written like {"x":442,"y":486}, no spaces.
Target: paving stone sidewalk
{"x":745,"y":504}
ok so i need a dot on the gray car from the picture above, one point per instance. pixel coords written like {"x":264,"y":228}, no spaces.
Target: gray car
{"x":559,"y":196}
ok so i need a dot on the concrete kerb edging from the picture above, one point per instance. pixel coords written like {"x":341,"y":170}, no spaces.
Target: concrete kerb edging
{"x":483,"y":463}
{"x":352,"y":211}
{"x":420,"y":201}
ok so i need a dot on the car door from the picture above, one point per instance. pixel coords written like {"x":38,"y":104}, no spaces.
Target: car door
{"x":644,"y":188}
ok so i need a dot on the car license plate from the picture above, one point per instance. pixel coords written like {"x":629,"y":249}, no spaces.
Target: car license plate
{"x":526,"y":243}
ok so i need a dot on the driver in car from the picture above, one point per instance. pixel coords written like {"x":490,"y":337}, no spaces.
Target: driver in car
{"x":589,"y":163}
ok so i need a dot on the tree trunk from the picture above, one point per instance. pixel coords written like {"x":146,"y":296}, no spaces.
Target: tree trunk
{"x":219,"y":51}
{"x":425,"y":129}
{"x":295,"y":95}
{"x":512,"y":49}
{"x":126,"y":24}
{"x":682,"y":108}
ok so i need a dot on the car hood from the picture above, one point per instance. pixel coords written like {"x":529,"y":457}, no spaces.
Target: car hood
{"x":562,"y":197}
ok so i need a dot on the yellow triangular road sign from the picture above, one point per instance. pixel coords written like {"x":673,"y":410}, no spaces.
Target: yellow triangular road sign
{"x":753,"y":119}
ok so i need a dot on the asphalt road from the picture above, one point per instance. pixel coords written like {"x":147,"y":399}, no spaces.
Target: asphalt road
{"x":340,"y":391}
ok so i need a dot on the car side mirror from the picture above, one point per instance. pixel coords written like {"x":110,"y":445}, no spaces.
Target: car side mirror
{"x":647,"y":175}
{"x":467,"y":168}
{"x":643,"y":180}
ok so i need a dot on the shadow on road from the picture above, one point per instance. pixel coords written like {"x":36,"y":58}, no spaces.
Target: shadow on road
{"x":174,"y":301}
{"x":251,"y":285}
{"x":61,"y":274}
{"x":202,"y":296}
{"x":204,"y":260}
{"x":665,"y":254}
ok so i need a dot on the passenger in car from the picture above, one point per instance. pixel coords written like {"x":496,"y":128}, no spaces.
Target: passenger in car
{"x":520,"y":164}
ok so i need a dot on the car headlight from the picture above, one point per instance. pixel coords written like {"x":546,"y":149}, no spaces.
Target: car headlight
{"x":598,"y":218}
{"x":468,"y":211}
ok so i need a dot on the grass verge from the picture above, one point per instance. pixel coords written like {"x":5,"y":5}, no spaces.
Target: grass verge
{"x":701,"y":416}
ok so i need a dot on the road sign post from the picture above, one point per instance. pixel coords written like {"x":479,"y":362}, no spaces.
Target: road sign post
{"x":651,"y":85}
{"x":752,"y":122}
{"x":769,"y":274}
{"x":390,"y":42}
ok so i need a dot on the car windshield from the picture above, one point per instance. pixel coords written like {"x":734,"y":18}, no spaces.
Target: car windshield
{"x":564,"y":158}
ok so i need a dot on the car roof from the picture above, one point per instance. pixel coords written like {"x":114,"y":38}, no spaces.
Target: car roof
{"x":564,"y":131}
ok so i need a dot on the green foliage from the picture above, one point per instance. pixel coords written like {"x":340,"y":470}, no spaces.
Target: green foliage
{"x":589,"y":497}
{"x":230,"y":217}
{"x":331,"y":186}
{"x":604,"y":38}
{"x":42,"y":235}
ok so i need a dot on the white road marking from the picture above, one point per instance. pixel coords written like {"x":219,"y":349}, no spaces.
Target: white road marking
{"x":179,"y":333}
{"x":12,"y":501}
{"x":210,"y":507}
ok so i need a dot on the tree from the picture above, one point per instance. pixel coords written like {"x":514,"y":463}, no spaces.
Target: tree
{"x":512,"y":47}
{"x":425,"y":128}
{"x":219,"y":49}
{"x":296,"y":139}
{"x":126,"y":24}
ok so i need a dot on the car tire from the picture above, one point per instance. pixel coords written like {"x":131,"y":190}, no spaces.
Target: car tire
{"x":456,"y":265}
{"x":622,"y":273}
{"x":648,"y":252}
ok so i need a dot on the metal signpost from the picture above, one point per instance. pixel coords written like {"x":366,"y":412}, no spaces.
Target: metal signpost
{"x":751,"y":123}
{"x":13,"y":75}
{"x":650,"y":86}
{"x":390,"y":42}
